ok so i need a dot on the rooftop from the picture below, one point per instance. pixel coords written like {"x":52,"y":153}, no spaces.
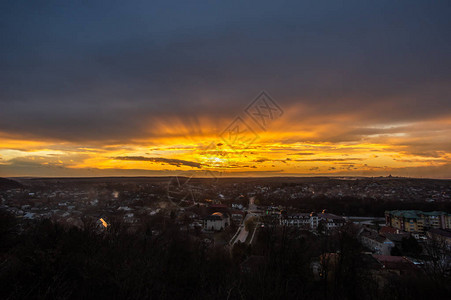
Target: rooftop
{"x":394,"y":262}
{"x":415,"y":214}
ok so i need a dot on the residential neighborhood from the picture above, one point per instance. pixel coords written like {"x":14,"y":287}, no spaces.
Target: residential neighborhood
{"x":240,"y":220}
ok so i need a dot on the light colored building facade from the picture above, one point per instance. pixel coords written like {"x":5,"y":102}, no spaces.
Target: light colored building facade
{"x":216,"y":222}
{"x":377,"y":243}
{"x":311,"y":221}
{"x":417,"y":221}
{"x":330,"y":221}
{"x":301,"y":220}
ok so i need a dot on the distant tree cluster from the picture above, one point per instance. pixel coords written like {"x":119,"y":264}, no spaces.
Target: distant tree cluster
{"x":351,"y":206}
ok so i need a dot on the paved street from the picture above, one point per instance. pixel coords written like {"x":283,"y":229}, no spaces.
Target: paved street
{"x":243,"y":233}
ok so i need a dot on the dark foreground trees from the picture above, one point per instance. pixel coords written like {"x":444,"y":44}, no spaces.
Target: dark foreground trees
{"x":47,"y":261}
{"x":44,"y":260}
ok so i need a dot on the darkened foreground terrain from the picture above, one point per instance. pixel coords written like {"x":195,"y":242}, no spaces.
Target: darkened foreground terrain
{"x":44,"y":260}
{"x":6,"y":184}
{"x":154,"y":243}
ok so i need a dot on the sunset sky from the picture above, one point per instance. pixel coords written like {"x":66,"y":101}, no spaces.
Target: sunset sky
{"x":125,"y":88}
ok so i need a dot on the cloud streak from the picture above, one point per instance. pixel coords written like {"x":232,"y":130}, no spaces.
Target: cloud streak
{"x":173,"y":162}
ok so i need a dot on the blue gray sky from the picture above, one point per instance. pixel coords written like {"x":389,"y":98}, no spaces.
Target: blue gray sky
{"x":102,"y":73}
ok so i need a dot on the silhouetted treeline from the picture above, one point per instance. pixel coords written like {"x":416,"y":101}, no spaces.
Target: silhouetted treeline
{"x":43,"y":260}
{"x":6,"y":184}
{"x":352,"y":206}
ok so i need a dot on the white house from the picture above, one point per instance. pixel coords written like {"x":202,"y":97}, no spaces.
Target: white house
{"x":331,"y":221}
{"x":302,"y":220}
{"x":376,"y":243}
{"x":216,"y":221}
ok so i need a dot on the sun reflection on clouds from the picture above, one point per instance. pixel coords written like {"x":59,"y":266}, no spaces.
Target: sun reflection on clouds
{"x":372,"y":150}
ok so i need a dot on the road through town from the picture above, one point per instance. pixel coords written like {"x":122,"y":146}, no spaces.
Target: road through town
{"x":243,"y":233}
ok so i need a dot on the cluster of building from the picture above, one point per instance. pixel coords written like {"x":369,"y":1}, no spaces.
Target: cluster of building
{"x":399,"y":225}
{"x":416,"y":221}
{"x":312,"y":221}
{"x":382,"y":241}
{"x":430,"y":230}
{"x":71,"y":203}
{"x":403,"y":224}
{"x":72,"y":206}
{"x":216,"y":217}
{"x":399,"y":189}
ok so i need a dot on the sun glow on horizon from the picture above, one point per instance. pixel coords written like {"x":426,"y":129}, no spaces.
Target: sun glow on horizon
{"x":368,"y":151}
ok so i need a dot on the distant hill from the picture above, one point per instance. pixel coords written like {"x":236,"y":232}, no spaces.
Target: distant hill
{"x":7,"y":184}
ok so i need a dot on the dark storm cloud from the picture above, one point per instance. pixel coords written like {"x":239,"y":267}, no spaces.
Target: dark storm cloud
{"x":102,"y":71}
{"x":174,"y":162}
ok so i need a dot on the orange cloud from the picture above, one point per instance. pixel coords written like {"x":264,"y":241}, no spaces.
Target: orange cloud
{"x":335,"y":147}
